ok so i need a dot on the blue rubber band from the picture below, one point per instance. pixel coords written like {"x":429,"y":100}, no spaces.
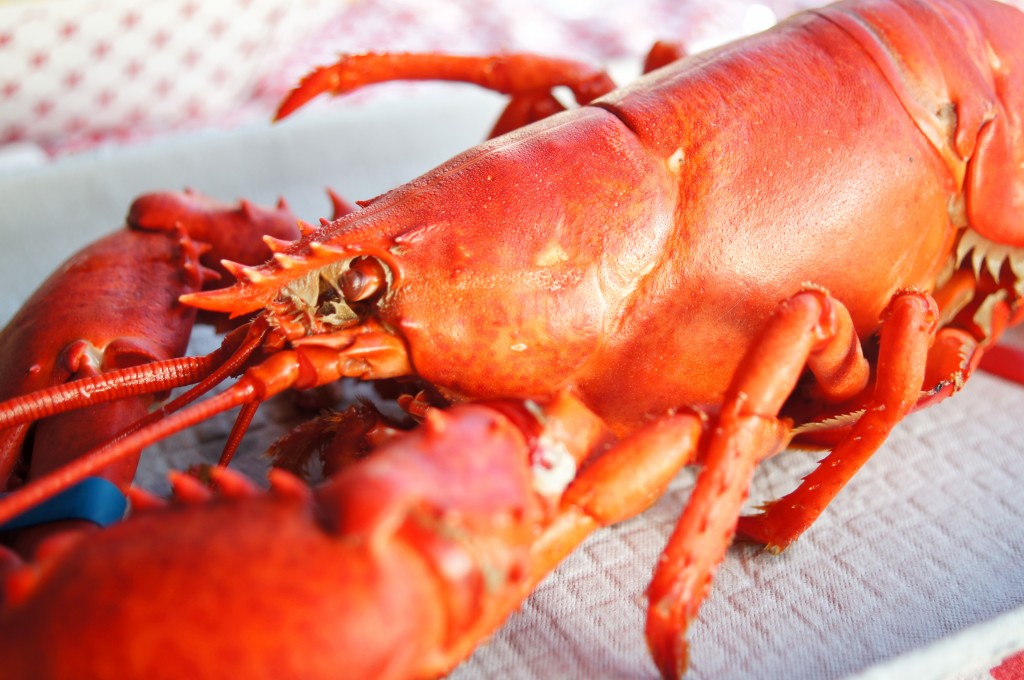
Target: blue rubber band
{"x":93,"y":499}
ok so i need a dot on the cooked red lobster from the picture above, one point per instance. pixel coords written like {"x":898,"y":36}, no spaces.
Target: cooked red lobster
{"x":702,"y":267}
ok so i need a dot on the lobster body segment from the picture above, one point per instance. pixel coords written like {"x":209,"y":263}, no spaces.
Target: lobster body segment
{"x":674,"y":193}
{"x":967,"y":103}
{"x":529,"y":342}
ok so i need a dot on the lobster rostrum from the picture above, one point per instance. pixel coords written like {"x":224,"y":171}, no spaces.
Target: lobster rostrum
{"x":701,"y":267}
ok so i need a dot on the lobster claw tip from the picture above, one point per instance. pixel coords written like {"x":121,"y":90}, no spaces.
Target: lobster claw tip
{"x":297,"y":98}
{"x":318,"y":81}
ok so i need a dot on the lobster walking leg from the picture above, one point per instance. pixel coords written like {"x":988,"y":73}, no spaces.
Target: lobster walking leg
{"x":528,"y":78}
{"x":906,"y":335}
{"x":809,"y":330}
{"x":1005,"y":362}
{"x":621,"y":483}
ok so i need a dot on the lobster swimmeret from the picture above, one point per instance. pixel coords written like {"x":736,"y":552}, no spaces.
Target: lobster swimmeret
{"x":849,"y":185}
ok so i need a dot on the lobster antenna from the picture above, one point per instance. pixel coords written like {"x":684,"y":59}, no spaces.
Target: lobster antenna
{"x":156,"y":376}
{"x":209,"y":370}
{"x":238,"y":431}
{"x":109,"y":386}
{"x":257,"y":332}
{"x":47,"y":486}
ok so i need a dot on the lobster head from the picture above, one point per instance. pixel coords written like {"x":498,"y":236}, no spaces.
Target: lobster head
{"x":492,"y":287}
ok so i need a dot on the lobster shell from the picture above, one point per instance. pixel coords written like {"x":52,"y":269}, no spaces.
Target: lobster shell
{"x":941,"y":493}
{"x":1003,"y":396}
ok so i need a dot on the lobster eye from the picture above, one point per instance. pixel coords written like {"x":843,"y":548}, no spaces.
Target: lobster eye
{"x":364,"y":278}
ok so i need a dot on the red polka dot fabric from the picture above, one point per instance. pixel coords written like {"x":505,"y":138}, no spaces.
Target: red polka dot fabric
{"x":74,"y":75}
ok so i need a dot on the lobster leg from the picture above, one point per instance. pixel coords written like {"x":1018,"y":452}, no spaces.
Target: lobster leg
{"x":54,"y":338}
{"x":61,"y":333}
{"x":906,"y":336}
{"x":973,"y":292}
{"x":621,"y":483}
{"x":529,"y":106}
{"x":337,"y":439}
{"x":809,"y":330}
{"x":663,"y":53}
{"x":1005,"y":362}
{"x":527,"y":78}
{"x":524,"y":109}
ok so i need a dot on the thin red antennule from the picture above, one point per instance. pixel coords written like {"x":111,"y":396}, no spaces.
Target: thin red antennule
{"x":48,"y":486}
{"x":242,"y":423}
{"x":256,"y":333}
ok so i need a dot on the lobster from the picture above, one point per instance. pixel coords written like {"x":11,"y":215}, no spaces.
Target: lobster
{"x":558,"y":295}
